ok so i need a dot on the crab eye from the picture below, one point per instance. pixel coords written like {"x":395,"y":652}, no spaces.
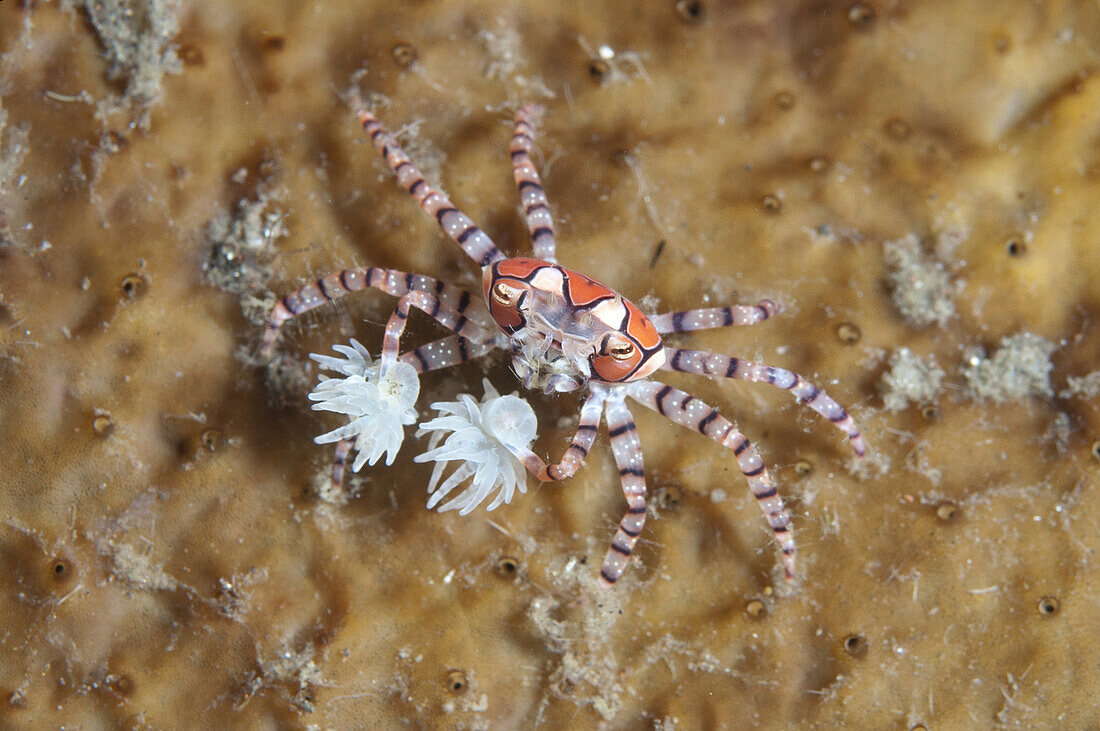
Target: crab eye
{"x":618,"y":347}
{"x":616,"y":360}
{"x":622,"y":351}
{"x":505,"y":302}
{"x":505,"y":294}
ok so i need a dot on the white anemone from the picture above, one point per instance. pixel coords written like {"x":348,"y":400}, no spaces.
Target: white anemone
{"x":481,"y":437}
{"x":378,"y":407}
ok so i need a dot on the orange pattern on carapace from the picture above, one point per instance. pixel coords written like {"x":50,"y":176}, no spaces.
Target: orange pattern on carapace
{"x":641,"y":328}
{"x":520,"y":267}
{"x":581,"y":292}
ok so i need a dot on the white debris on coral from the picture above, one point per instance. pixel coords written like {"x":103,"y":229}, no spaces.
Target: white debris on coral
{"x":611,"y":66}
{"x":13,"y":151}
{"x":241,"y":244}
{"x":138,"y":38}
{"x":922,"y":287}
{"x":504,"y":46}
{"x":138,"y":569}
{"x":950,"y":228}
{"x":1087,"y":387}
{"x":910,"y":379}
{"x":1060,"y":431}
{"x":379,"y":406}
{"x":483,"y":437}
{"x":1020,"y":367}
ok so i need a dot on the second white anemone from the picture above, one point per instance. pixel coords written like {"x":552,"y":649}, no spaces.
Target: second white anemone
{"x":378,"y":407}
{"x":481,"y":437}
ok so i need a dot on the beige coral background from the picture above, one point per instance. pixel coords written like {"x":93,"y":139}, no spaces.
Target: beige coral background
{"x":167,"y":560}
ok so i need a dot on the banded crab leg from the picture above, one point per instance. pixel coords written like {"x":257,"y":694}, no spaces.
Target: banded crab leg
{"x":339,"y":463}
{"x":627,"y":450}
{"x":578,"y":448}
{"x":536,"y":208}
{"x":391,"y":281}
{"x":443,"y":353}
{"x":714,"y":364}
{"x":688,"y":411}
{"x":435,"y":308}
{"x":712,"y":317}
{"x":456,"y":224}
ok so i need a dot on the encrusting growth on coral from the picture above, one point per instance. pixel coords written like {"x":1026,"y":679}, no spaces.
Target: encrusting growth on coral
{"x":138,"y":42}
{"x":13,"y":150}
{"x":911,"y":379}
{"x":241,"y":245}
{"x":1086,"y":386}
{"x":1019,"y":367}
{"x":922,"y":287}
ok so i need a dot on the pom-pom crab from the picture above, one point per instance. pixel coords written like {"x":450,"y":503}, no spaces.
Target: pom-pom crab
{"x":565,"y":332}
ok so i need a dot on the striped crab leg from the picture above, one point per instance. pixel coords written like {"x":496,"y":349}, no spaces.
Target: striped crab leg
{"x":339,"y":463}
{"x":578,"y":448}
{"x":627,"y":450}
{"x":456,"y":224}
{"x":713,"y":364}
{"x":435,"y":308}
{"x":391,"y":281}
{"x":444,"y":353}
{"x":688,"y":411}
{"x":536,"y":208}
{"x":712,"y":317}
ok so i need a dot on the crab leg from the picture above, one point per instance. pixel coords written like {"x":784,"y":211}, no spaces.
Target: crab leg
{"x":627,"y":449}
{"x":578,"y":449}
{"x":339,"y":461}
{"x":711,"y":317}
{"x":536,"y":208}
{"x":390,"y":281}
{"x":444,"y":353}
{"x":688,"y":411}
{"x":456,"y":224}
{"x":713,"y":364}
{"x":445,"y":315}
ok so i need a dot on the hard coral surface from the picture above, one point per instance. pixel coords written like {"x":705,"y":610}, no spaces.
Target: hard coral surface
{"x":166,"y":560}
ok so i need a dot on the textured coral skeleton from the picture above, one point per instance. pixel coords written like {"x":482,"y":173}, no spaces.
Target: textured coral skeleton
{"x":565,"y":332}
